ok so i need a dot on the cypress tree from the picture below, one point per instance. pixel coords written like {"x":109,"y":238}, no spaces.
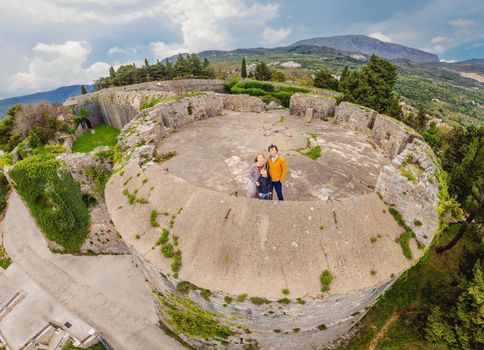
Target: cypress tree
{"x":243,"y":69}
{"x":83,"y":90}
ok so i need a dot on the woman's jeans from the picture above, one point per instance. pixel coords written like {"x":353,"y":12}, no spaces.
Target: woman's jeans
{"x":277,"y":185}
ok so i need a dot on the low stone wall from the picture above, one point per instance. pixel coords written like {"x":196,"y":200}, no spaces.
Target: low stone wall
{"x":409,"y":182}
{"x":153,"y":123}
{"x":244,"y":103}
{"x":388,"y":133}
{"x":322,"y":106}
{"x":117,"y":106}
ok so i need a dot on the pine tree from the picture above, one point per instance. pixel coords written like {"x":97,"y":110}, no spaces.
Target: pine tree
{"x":372,"y":86}
{"x":344,"y":74}
{"x":112,"y":73}
{"x":83,"y":90}
{"x":147,"y":64}
{"x":170,"y":71}
{"x":262,"y":72}
{"x":324,"y":79}
{"x":243,"y":69}
{"x":194,"y":65}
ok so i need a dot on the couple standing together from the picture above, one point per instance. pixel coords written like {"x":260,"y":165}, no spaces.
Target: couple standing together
{"x":267,"y":175}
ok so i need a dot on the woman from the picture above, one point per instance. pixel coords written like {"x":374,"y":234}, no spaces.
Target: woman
{"x":254,"y":175}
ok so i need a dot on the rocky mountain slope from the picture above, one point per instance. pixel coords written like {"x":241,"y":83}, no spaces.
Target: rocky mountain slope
{"x":365,"y":45}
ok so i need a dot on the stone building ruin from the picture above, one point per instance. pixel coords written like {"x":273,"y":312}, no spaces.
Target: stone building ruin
{"x":247,"y":273}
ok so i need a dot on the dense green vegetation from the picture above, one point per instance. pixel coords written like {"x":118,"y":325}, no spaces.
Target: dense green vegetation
{"x":372,"y":86}
{"x":437,"y":281}
{"x":281,"y":94}
{"x":186,"y":66}
{"x":438,"y":91}
{"x":102,"y":135}
{"x":54,"y":199}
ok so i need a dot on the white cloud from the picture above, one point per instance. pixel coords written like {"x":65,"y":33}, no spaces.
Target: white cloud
{"x":380,"y":36}
{"x":211,"y":24}
{"x":447,"y":61}
{"x":75,"y":12}
{"x":273,"y":36}
{"x":58,"y":64}
{"x":118,"y":50}
{"x":438,"y":39}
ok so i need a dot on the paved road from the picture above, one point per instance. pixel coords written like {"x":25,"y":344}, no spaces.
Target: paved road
{"x":107,"y":292}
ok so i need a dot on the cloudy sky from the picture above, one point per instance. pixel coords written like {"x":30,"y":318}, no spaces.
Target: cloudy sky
{"x":49,"y":43}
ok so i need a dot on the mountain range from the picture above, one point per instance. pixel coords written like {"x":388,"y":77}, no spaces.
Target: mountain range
{"x":58,"y":95}
{"x":365,"y":45}
{"x":341,"y":45}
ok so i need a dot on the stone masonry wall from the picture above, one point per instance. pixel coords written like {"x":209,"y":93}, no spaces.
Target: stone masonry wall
{"x":270,"y":326}
{"x":322,"y":106}
{"x":416,"y":199}
{"x":389,"y":134}
{"x":244,"y":103}
{"x":117,"y":106}
{"x":409,"y":182}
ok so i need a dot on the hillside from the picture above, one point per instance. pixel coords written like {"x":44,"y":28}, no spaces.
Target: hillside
{"x":365,"y":45}
{"x":58,"y":95}
{"x":451,"y":91}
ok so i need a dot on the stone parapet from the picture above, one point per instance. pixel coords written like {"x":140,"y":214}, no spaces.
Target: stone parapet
{"x":323,"y":107}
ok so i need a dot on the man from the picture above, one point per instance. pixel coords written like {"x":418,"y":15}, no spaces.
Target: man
{"x":277,"y":170}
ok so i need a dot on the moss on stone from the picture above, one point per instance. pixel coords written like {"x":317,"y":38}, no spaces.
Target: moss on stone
{"x":188,"y":318}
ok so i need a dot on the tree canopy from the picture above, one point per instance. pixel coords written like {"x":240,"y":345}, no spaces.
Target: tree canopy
{"x":372,"y":86}
{"x":185,"y":66}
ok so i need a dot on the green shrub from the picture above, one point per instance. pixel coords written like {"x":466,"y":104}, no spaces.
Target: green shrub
{"x":54,"y":198}
{"x":267,"y":91}
{"x":167,"y":250}
{"x":241,"y":298}
{"x":163,"y":237}
{"x":4,"y":190}
{"x":229,"y":84}
{"x":99,"y":177}
{"x":206,"y":294}
{"x":285,"y":291}
{"x":314,"y":153}
{"x":148,"y":103}
{"x":177,"y":262}
{"x":254,"y":84}
{"x":185,"y":286}
{"x":326,"y":278}
{"x":194,"y":321}
{"x":227,"y":299}
{"x":153,"y":219}
{"x":258,"y":300}
{"x":269,"y":98}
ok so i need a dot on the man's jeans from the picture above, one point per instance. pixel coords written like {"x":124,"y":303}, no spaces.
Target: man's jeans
{"x":277,"y":185}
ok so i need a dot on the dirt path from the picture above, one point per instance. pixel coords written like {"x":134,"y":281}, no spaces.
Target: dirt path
{"x":383,"y":331}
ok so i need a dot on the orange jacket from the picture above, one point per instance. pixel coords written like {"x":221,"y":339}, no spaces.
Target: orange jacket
{"x":277,"y":169}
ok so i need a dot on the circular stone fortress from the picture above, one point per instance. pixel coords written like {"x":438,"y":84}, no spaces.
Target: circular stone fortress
{"x":231,"y":272}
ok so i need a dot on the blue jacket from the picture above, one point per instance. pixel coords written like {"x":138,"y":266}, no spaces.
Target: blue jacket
{"x":265,"y":184}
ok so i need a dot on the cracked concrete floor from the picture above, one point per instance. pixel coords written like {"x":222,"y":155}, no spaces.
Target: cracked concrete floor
{"x":216,"y":153}
{"x":241,"y":245}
